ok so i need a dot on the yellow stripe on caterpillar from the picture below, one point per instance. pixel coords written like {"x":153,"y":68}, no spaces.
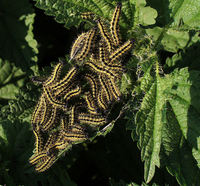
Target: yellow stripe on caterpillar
{"x":51,"y":121}
{"x":38,"y":141}
{"x":114,"y":89}
{"x":50,"y":98}
{"x":55,"y":75}
{"x":61,"y":85}
{"x":97,"y":68}
{"x":90,"y":119}
{"x":72,"y":116}
{"x":91,"y":106}
{"x":87,"y":15}
{"x":73,"y":137}
{"x":38,"y":111}
{"x":101,"y":100}
{"x":119,"y":52}
{"x":105,"y":88}
{"x":51,"y":140}
{"x":46,"y":164}
{"x":36,"y":158}
{"x":114,"y":24}
{"x":93,"y":83}
{"x":105,"y":34}
{"x":72,"y":93}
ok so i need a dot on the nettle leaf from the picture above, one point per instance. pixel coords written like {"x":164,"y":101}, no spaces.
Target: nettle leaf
{"x":184,"y":100}
{"x":180,"y":21}
{"x":149,"y":126}
{"x":68,"y":11}
{"x":147,"y":78}
{"x":18,"y":48}
{"x":146,"y":14}
{"x":21,"y":106}
{"x":166,"y":132}
{"x":178,"y":13}
{"x":176,"y":153}
{"x":183,"y":58}
{"x":126,"y":83}
{"x":173,"y":39}
{"x":11,"y":79}
{"x":15,"y":137}
{"x":187,"y":11}
{"x":16,"y":34}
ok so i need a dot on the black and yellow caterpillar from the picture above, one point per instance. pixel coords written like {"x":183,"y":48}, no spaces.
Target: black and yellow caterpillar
{"x":66,"y":109}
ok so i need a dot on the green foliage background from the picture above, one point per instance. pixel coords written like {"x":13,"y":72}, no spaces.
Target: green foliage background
{"x":156,"y":142}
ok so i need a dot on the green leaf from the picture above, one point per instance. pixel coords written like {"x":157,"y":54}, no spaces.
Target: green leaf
{"x":149,"y":127}
{"x":11,"y":79}
{"x":180,"y":13}
{"x":180,"y":22}
{"x":3,"y":136}
{"x":12,"y":148}
{"x":173,"y":39}
{"x":29,"y":20}
{"x":16,"y":33}
{"x":196,"y":154}
{"x":156,"y":127}
{"x":184,"y":100}
{"x":6,"y":71}
{"x":126,"y":83}
{"x":18,"y":47}
{"x":186,"y":10}
{"x":183,"y":58}
{"x":68,"y":11}
{"x":147,"y":79}
{"x":146,"y":14}
{"x":22,"y":106}
{"x":176,"y":153}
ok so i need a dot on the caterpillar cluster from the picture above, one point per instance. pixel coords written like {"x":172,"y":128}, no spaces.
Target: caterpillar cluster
{"x":66,"y":109}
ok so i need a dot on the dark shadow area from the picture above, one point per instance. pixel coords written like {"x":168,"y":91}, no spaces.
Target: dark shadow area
{"x":193,"y":122}
{"x":116,"y":156}
{"x":13,"y":45}
{"x":162,"y":7}
{"x":185,"y":58}
{"x":163,"y":55}
{"x":54,"y":39}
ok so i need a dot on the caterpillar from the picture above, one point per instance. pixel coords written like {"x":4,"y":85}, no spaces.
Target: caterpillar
{"x":114,"y":24}
{"x":91,"y":119}
{"x":58,"y":126}
{"x":72,"y":93}
{"x":91,"y":105}
{"x":55,"y":75}
{"x":119,"y":52}
{"x":94,"y":84}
